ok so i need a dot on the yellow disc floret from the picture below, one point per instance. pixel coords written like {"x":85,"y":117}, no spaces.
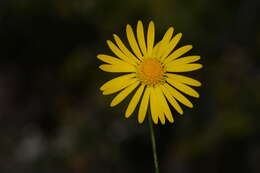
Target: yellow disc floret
{"x":151,"y":72}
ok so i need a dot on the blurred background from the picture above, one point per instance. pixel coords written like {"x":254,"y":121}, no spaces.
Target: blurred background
{"x":54,"y":119}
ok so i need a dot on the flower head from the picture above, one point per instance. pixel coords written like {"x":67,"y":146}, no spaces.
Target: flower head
{"x":151,"y":71}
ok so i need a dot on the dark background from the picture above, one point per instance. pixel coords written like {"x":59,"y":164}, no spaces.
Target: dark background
{"x":54,"y":119}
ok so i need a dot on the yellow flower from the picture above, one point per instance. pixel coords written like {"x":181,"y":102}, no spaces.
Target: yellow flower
{"x":151,"y":71}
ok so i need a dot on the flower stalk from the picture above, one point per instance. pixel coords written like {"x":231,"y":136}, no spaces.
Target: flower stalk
{"x":156,"y":164}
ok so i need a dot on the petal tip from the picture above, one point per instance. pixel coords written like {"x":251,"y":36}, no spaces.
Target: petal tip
{"x":98,"y":56}
{"x":179,"y":34}
{"x":171,"y":28}
{"x":155,"y":121}
{"x":127,"y":114}
{"x":101,"y":67}
{"x":128,"y":27}
{"x":109,"y":42}
{"x":105,"y":92}
{"x":163,"y":123}
{"x":171,"y":121}
{"x":140,"y":121}
{"x":139,"y":22}
{"x":102,"y":88}
{"x":112,"y":104}
{"x":151,"y":22}
{"x":197,"y":96}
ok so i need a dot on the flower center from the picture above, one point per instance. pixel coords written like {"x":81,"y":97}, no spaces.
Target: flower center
{"x":150,"y":72}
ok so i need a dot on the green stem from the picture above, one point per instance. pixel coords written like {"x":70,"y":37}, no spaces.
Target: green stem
{"x":156,"y":165}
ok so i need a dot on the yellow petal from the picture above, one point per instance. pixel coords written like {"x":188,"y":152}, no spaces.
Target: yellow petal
{"x":185,"y":60}
{"x":182,"y":87}
{"x":119,"y":86}
{"x":154,"y":106}
{"x":116,"y":82}
{"x":182,"y":67}
{"x":140,"y":37}
{"x":156,"y":50}
{"x":159,"y":105}
{"x":168,"y":35}
{"x":165,"y":41}
{"x":123,"y":94}
{"x":118,"y":68}
{"x":177,"y":53}
{"x":134,"y":101}
{"x":132,"y":41}
{"x":150,"y":38}
{"x":109,"y":59}
{"x":144,"y":105}
{"x":119,"y":53}
{"x":176,"y":94}
{"x":171,"y":99}
{"x":171,"y":45}
{"x":164,"y":104}
{"x":124,"y":49}
{"x":161,"y":114}
{"x":184,"y":79}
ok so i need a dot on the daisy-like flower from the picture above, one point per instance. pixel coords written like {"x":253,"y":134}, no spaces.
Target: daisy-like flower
{"x":151,"y":71}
